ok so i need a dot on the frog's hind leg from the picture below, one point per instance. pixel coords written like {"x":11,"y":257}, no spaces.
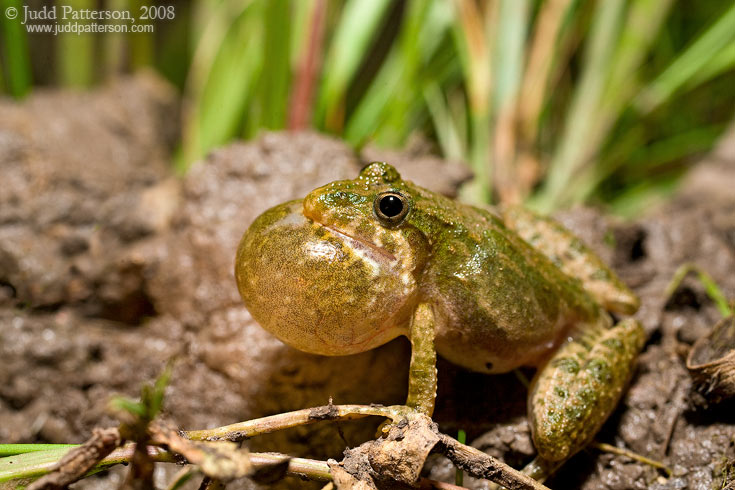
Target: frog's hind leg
{"x":576,"y":391}
{"x":573,"y":257}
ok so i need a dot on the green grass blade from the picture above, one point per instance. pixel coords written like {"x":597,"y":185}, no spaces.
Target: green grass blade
{"x":389,"y":109}
{"x":25,"y":467}
{"x":574,"y":149}
{"x":508,"y":55}
{"x":710,"y":286}
{"x":15,"y":50}
{"x":357,"y":26}
{"x":302,"y":12}
{"x":113,"y":43}
{"x":644,"y":195}
{"x":473,"y":39}
{"x":31,"y":464}
{"x":723,"y":61}
{"x":641,"y":28}
{"x":643,"y":160}
{"x":449,"y":129}
{"x":74,"y":51}
{"x":223,"y":74}
{"x":718,"y":37}
{"x":271,"y":98}
{"x":142,"y":44}
{"x":13,"y":449}
{"x":546,"y":52}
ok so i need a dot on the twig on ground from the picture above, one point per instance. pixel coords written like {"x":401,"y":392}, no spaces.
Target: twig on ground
{"x":78,"y":461}
{"x":221,"y":460}
{"x":265,"y":425}
{"x":200,"y":447}
{"x":480,"y":465}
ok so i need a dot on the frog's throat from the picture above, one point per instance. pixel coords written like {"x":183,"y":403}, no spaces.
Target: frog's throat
{"x":361,"y":244}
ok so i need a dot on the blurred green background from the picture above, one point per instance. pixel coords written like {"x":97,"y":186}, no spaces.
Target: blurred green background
{"x":553,"y":102}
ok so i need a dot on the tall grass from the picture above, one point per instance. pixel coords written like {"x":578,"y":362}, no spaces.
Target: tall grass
{"x":14,"y":51}
{"x":552,"y":102}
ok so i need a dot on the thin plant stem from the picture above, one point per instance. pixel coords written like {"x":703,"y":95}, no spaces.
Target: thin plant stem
{"x":608,"y":448}
{"x":265,"y":425}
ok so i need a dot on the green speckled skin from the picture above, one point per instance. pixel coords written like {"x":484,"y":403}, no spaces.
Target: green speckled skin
{"x":328,"y":275}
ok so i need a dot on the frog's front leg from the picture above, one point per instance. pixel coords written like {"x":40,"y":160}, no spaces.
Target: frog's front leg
{"x":422,"y":372}
{"x":577,"y":390}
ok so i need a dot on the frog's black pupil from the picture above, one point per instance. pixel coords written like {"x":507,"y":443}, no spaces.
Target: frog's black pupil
{"x":391,"y":206}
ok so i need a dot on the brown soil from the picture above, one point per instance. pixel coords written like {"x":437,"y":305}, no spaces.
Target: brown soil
{"x":110,"y":265}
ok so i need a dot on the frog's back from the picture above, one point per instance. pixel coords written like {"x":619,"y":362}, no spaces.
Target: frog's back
{"x":500,"y":303}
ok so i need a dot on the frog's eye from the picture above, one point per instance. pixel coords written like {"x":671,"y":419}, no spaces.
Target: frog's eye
{"x":391,"y":207}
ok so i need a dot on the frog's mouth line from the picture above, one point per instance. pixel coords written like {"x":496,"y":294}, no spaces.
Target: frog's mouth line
{"x":361,"y":244}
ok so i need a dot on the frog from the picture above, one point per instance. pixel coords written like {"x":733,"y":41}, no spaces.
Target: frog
{"x":359,"y":262}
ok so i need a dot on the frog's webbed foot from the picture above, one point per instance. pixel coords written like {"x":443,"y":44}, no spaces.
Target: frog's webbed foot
{"x":577,"y":390}
{"x":574,"y":258}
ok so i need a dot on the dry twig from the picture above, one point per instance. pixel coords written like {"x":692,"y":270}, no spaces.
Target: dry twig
{"x":78,"y":461}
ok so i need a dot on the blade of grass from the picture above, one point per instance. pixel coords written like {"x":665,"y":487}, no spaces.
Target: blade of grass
{"x":75,"y":52}
{"x":574,"y":148}
{"x":449,"y":134}
{"x":426,"y":24}
{"x":686,"y":66}
{"x":640,"y":29}
{"x":358,"y":23}
{"x":542,"y":51}
{"x":13,"y":449}
{"x":232,"y":80}
{"x":388,"y":110}
{"x":393,"y":130}
{"x":30,"y":464}
{"x":307,"y":60}
{"x":473,"y":47}
{"x":271,"y":97}
{"x":644,"y":195}
{"x":230,"y":40}
{"x":508,"y":57}
{"x":632,"y":152}
{"x":142,"y":47}
{"x":15,"y":50}
{"x":723,"y":61}
{"x":710,"y":286}
{"x":173,"y":52}
{"x":113,"y":43}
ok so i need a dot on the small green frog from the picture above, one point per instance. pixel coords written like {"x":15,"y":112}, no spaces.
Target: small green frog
{"x":359,"y":262}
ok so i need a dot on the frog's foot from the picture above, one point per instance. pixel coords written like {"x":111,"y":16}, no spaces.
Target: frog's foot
{"x":577,"y":390}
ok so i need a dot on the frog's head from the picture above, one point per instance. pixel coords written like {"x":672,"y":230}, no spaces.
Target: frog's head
{"x":336,"y":273}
